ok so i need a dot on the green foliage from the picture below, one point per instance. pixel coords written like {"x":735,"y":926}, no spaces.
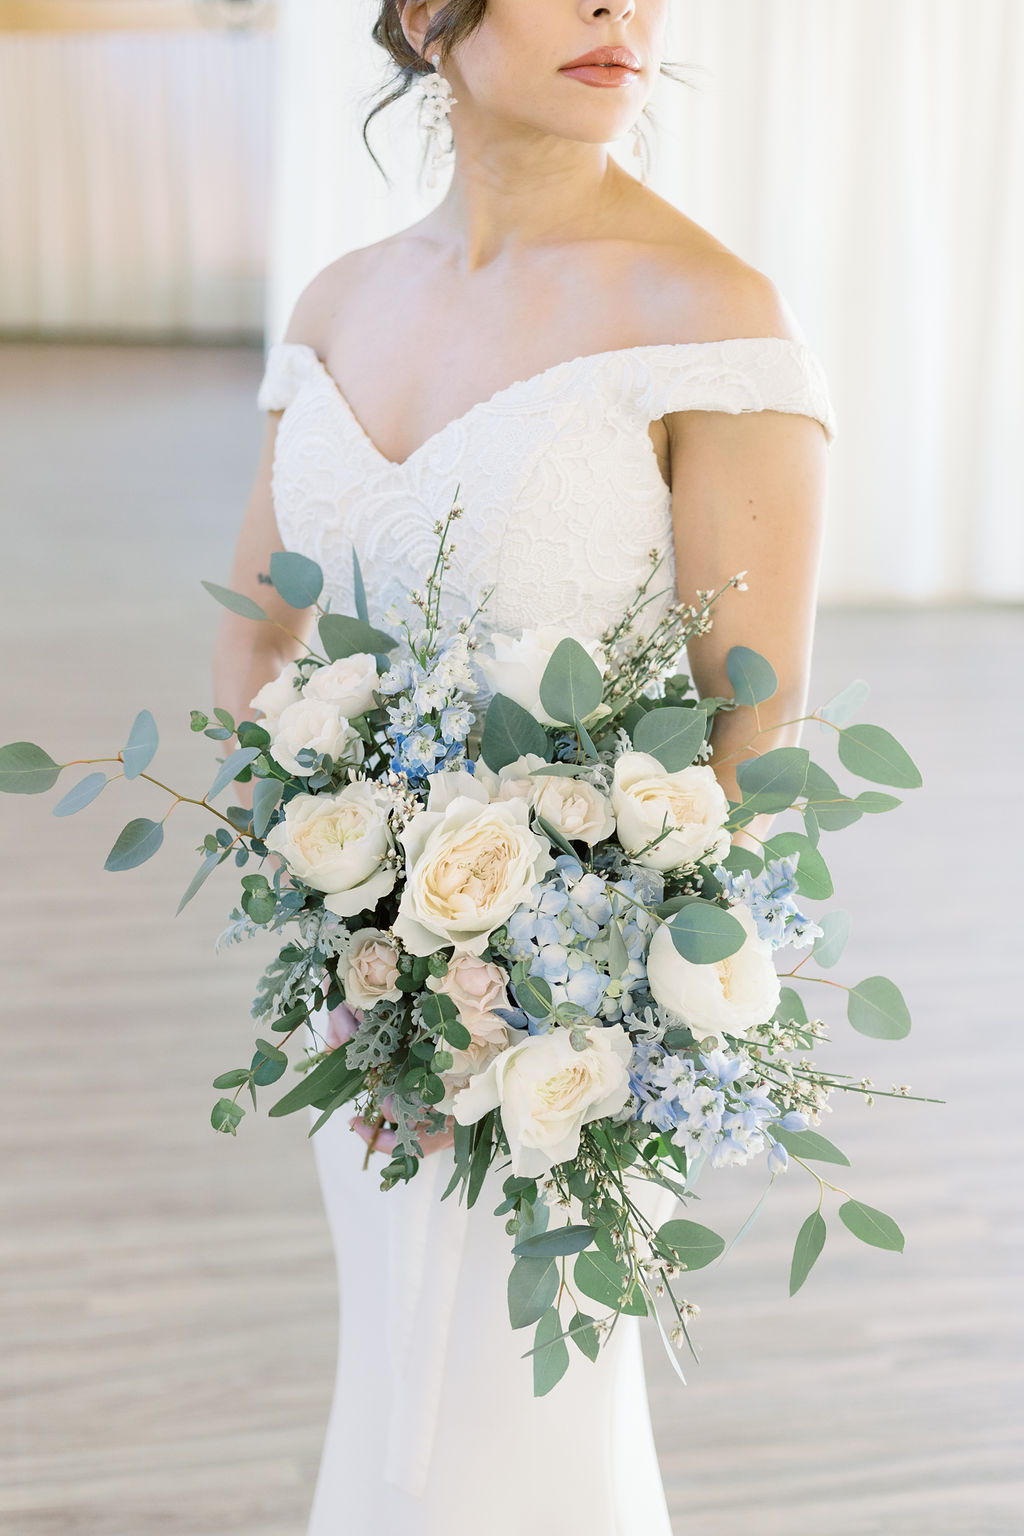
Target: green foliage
{"x":737,"y":860}
{"x":266,"y":796}
{"x":342,"y":636}
{"x":481,"y":1159}
{"x":140,"y":749}
{"x":297,"y":579}
{"x":690,"y":1244}
{"x":202,"y":874}
{"x":556,"y":1242}
{"x":872,"y":1226}
{"x":510,"y":731}
{"x":329,"y":1078}
{"x":810,"y":1146}
{"x":876,"y":1007}
{"x":873,"y":753}
{"x":26,"y":769}
{"x":534,"y":997}
{"x":230,"y":769}
{"x":83,"y":794}
{"x":842,"y":707}
{"x":704,"y":933}
{"x":812,"y":875}
{"x":235,"y":601}
{"x":752,"y":677}
{"x":553,"y":836}
{"x":258,"y":899}
{"x":674,"y":736}
{"x":136,"y":843}
{"x":607,"y":1280}
{"x":828,"y":949}
{"x":226,"y":1115}
{"x":551,"y":1353}
{"x":250,"y":734}
{"x":584,"y":1335}
{"x":810,"y":1241}
{"x":873,"y":801}
{"x":571,"y":686}
{"x":268,"y":1064}
{"x":532,"y":1286}
{"x":771,"y":782}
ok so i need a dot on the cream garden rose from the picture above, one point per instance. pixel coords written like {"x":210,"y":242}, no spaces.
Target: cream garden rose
{"x":318,"y":725}
{"x":513,"y":782}
{"x":644,"y":794}
{"x":518,"y":663}
{"x":469,"y":863}
{"x":547,"y":1092}
{"x":275,"y":697}
{"x":348,"y":684}
{"x":369,"y":968}
{"x":573,"y":807}
{"x":339,"y":844}
{"x":728,"y":997}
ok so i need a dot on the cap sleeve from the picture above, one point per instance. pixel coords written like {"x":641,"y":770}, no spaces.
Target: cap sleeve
{"x":747,"y":373}
{"x":289,"y":364}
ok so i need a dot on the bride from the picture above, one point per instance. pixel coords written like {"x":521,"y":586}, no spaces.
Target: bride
{"x":600,"y":377}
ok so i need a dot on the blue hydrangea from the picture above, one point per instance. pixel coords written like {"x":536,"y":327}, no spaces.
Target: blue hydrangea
{"x":769,"y":897}
{"x":430,"y":719}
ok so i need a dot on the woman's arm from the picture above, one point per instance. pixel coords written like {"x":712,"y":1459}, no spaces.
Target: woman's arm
{"x":748,"y":494}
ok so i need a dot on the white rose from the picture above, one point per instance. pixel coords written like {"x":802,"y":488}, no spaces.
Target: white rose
{"x":338,"y":845}
{"x":730,"y":996}
{"x":369,"y":969}
{"x":348,"y":684}
{"x":274,"y":697}
{"x":513,"y":782}
{"x":469,"y":864}
{"x":518,"y":663}
{"x":573,"y":807}
{"x":547,"y":1092}
{"x":644,"y":794}
{"x":319,"y":726}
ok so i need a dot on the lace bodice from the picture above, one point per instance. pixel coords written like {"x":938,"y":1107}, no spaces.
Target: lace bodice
{"x":562,"y":492}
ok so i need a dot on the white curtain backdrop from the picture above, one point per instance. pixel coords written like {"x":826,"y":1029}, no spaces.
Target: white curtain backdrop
{"x":869,"y":156}
{"x":133,"y":182}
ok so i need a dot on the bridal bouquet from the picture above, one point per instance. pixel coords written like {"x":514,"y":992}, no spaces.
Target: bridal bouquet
{"x":528,"y":926}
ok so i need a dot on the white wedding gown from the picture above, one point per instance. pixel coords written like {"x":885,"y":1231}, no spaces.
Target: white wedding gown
{"x":434,"y":1428}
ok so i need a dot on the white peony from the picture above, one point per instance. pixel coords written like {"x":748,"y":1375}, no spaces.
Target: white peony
{"x":573,"y":807}
{"x":469,"y":864}
{"x":547,"y":1092}
{"x":644,"y":794}
{"x":348,"y":684}
{"x":274,"y":697}
{"x":319,"y":726}
{"x":728,"y":997}
{"x":338,"y":844}
{"x":368,"y":967}
{"x":518,"y":664}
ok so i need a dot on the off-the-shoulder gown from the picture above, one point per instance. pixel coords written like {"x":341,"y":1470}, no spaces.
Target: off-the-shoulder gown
{"x":434,"y":1430}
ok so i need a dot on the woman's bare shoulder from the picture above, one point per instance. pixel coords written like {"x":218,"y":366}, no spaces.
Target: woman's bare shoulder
{"x":320,"y":308}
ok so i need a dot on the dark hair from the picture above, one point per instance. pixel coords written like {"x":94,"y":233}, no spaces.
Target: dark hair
{"x":454,"y":22}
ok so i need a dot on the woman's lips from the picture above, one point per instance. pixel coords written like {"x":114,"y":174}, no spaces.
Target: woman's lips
{"x":601,"y":74}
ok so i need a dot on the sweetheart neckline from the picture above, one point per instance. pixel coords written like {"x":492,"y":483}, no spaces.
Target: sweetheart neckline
{"x":399,"y":466}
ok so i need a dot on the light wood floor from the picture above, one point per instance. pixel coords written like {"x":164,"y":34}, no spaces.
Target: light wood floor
{"x":167,"y":1304}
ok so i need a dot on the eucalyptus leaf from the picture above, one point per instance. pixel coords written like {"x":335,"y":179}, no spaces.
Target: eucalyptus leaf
{"x":673,"y":736}
{"x":237,"y":602}
{"x":876,"y":1007}
{"x":791,"y":1006}
{"x":584,"y":1335}
{"x":226,"y":1115}
{"x":233,"y":1079}
{"x":873,"y":801}
{"x":872,"y":1226}
{"x":551,"y":1353}
{"x":618,"y":954}
{"x":26,"y":769}
{"x":743,"y":860}
{"x":200,"y":878}
{"x":555,"y":1242}
{"x":510,"y":731}
{"x":871,"y":752}
{"x":691,"y":1244}
{"x":812,"y":875}
{"x":342,"y":636}
{"x":603,"y":1279}
{"x":810,"y":1241}
{"x":230,"y":768}
{"x":83,"y":794}
{"x":534,"y":997}
{"x":704,"y":933}
{"x":571,"y":685}
{"x":828,"y":949}
{"x":331,"y":1076}
{"x":266,"y":796}
{"x":136,"y":843}
{"x":554,"y":837}
{"x":843,"y":706}
{"x":752,"y":677}
{"x":772,"y":781}
{"x":297,"y":579}
{"x":810,"y":1146}
{"x":532,"y":1286}
{"x":141,"y":746}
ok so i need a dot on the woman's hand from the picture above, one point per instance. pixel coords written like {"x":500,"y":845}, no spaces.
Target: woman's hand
{"x":379,"y":1138}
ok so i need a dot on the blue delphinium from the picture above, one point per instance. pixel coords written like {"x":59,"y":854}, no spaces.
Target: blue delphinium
{"x":706,"y":1105}
{"x":430,"y":720}
{"x":769,"y":896}
{"x":585,"y":935}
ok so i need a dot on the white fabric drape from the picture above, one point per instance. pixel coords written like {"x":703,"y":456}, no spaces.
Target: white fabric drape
{"x":133,"y":182}
{"x":869,"y":156}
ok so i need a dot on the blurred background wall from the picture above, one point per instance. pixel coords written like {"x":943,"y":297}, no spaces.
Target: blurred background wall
{"x":180,"y":168}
